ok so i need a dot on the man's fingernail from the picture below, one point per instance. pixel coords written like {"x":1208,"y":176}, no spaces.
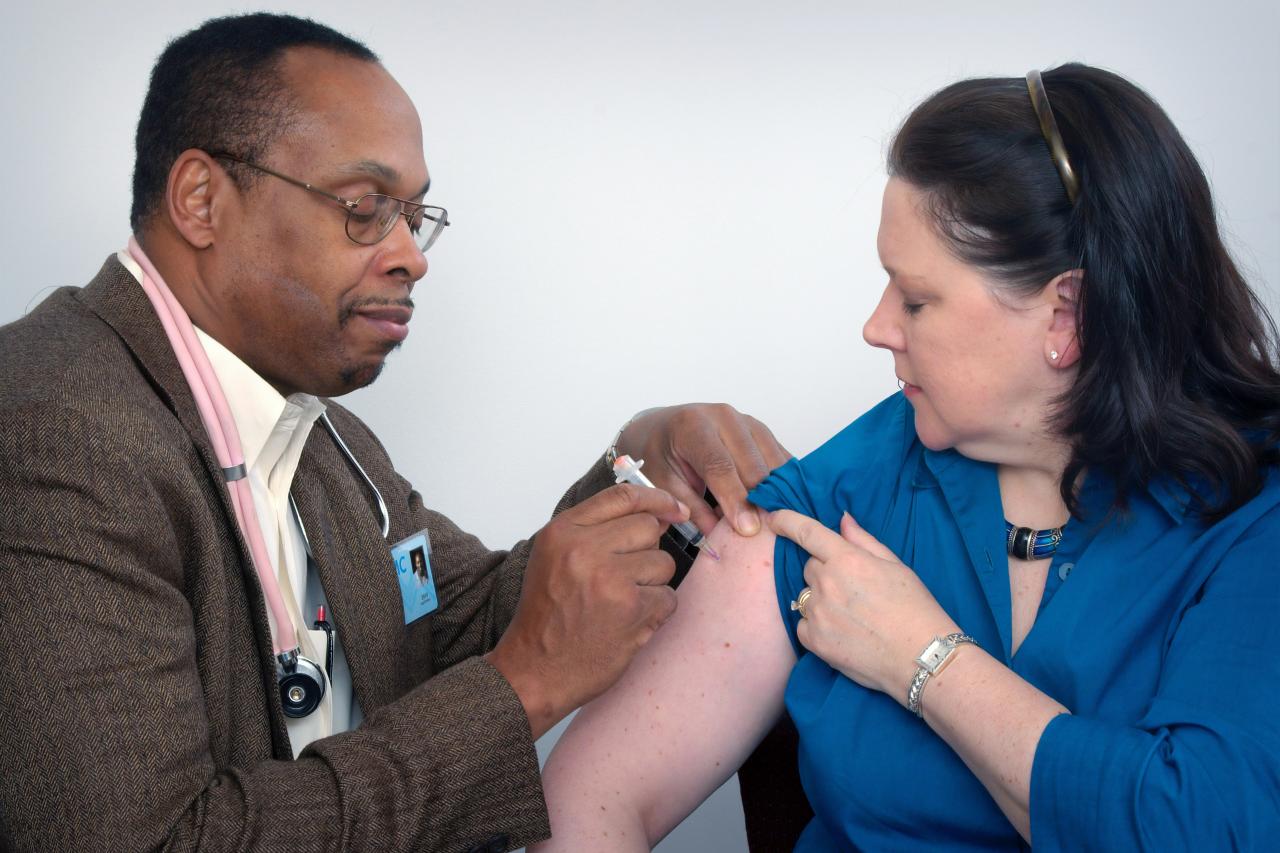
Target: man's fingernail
{"x":748,"y":522}
{"x":684,"y":509}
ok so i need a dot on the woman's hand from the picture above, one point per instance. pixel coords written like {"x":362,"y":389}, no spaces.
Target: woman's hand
{"x":869,"y":616}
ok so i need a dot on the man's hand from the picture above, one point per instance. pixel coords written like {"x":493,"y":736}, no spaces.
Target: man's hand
{"x":692,"y":448}
{"x":594,"y":592}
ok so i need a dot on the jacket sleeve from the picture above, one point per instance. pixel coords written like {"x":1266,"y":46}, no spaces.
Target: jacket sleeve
{"x":104,"y":727}
{"x":1201,"y":770}
{"x":481,"y":586}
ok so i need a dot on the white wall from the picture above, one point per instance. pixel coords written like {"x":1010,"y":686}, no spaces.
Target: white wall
{"x":709,"y":171}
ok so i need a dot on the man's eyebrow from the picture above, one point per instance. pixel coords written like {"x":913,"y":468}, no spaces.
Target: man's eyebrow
{"x":370,"y":167}
{"x":382,"y":171}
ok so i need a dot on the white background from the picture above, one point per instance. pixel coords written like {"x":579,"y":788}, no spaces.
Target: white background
{"x":653,"y":202}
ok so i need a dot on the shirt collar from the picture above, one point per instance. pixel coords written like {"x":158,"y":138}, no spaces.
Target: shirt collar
{"x":1173,"y":498}
{"x":1097,"y":494}
{"x":257,"y":408}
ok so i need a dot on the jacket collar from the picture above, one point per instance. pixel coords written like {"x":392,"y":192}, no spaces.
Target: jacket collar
{"x":115,"y":296}
{"x":325,"y":488}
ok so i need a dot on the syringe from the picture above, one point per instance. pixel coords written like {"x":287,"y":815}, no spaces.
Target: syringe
{"x":627,"y":470}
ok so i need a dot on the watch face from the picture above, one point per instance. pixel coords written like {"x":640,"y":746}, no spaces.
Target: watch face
{"x":934,"y":654}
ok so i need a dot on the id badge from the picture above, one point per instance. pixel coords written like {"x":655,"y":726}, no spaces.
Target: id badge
{"x":412,"y":558}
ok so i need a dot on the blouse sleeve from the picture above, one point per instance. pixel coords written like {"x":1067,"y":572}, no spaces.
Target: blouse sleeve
{"x":855,"y":471}
{"x":1201,"y":770}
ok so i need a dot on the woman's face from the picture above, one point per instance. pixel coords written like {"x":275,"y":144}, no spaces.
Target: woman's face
{"x":976,"y":368}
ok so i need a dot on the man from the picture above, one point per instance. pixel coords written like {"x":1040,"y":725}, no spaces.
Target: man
{"x":279,"y":193}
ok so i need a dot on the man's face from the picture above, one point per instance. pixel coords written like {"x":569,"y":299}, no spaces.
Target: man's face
{"x":302,"y":304}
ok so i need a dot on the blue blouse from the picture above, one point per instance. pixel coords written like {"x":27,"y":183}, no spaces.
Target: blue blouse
{"x":1159,"y":633}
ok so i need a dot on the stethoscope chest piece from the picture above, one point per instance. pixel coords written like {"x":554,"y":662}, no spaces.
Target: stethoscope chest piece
{"x":301,"y":685}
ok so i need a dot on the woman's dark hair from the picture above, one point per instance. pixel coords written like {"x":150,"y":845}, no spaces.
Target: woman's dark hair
{"x":219,"y":88}
{"x":1179,"y":371}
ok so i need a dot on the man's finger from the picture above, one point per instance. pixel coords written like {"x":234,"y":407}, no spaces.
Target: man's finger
{"x":744,"y":448}
{"x":724,"y":480}
{"x":639,"y":531}
{"x":726,"y":459}
{"x":752,"y":452}
{"x":700,"y":512}
{"x":718,"y":451}
{"x":658,"y":604}
{"x":626,"y":499}
{"x":774,"y":453}
{"x":806,"y":532}
{"x":646,"y":568}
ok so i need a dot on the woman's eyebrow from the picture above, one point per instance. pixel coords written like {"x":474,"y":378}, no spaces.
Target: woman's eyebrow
{"x":904,"y":278}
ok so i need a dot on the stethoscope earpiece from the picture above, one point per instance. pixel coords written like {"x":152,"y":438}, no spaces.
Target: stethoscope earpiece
{"x":301,"y":684}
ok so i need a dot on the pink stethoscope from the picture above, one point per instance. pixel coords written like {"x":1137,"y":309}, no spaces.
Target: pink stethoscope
{"x":301,"y":681}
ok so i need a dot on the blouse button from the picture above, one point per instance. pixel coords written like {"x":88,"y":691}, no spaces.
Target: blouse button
{"x":1064,"y":570}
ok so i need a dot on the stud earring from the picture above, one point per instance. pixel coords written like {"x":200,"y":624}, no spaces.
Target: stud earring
{"x":1053,"y":354}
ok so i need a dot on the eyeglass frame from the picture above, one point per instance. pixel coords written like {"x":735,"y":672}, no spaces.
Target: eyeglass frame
{"x":350,"y":206}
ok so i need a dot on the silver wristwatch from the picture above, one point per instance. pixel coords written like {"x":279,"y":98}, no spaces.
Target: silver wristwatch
{"x":932,"y":661}
{"x":611,"y":454}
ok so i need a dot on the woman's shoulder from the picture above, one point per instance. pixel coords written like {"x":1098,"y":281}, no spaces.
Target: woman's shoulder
{"x":1260,"y":515}
{"x":866,"y":457}
{"x":1195,"y":499}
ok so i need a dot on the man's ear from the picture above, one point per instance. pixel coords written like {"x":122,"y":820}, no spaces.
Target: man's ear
{"x":1062,"y":342}
{"x":193,"y":196}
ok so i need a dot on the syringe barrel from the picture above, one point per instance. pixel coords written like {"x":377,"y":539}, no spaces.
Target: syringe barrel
{"x":627,"y":470}
{"x":689,"y":531}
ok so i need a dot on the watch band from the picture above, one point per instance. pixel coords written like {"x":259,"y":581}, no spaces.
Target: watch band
{"x":611,"y":454}
{"x":931,"y":661}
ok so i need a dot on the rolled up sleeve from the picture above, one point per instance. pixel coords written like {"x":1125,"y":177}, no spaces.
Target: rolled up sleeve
{"x":1201,"y":769}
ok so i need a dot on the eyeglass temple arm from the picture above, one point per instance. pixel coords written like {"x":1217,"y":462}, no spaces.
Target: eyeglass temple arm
{"x":297,"y":183}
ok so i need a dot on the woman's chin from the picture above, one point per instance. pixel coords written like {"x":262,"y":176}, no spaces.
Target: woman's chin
{"x":931,"y":433}
{"x":935,"y":442}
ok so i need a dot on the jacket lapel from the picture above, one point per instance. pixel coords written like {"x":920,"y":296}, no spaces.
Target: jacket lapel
{"x":117,"y":298}
{"x":354,"y":562}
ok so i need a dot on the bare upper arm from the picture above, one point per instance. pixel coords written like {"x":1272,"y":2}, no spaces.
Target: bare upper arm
{"x":689,"y":709}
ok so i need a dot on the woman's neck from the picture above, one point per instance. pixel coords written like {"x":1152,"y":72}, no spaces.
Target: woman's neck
{"x":1032,"y":493}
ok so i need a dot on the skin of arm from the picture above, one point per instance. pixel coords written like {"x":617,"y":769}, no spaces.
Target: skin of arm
{"x":993,"y":719}
{"x":692,"y":705}
{"x":594,"y":588}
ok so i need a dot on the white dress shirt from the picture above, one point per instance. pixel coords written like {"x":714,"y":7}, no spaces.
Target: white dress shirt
{"x":273,"y":431}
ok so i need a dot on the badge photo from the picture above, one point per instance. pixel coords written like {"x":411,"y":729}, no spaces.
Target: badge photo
{"x":412,"y":559}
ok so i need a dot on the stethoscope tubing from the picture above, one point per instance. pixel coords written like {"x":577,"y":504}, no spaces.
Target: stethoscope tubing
{"x":223,"y":434}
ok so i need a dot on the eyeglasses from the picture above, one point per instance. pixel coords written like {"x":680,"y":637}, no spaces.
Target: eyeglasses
{"x":370,"y":217}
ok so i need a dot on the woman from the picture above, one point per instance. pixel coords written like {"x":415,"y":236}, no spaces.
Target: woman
{"x":1032,"y":598}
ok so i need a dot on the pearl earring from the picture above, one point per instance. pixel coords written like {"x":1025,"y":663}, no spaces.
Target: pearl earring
{"x":1053,"y":354}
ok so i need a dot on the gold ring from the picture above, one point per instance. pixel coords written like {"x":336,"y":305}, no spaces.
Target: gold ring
{"x":801,"y":600}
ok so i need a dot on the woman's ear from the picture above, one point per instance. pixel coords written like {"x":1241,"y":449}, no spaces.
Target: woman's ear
{"x":1062,"y":343}
{"x":194,"y":181}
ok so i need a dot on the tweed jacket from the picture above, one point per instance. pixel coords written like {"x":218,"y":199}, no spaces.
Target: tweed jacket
{"x":138,"y":707}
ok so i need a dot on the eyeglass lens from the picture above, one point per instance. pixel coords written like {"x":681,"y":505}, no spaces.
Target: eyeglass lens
{"x":374,"y":215}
